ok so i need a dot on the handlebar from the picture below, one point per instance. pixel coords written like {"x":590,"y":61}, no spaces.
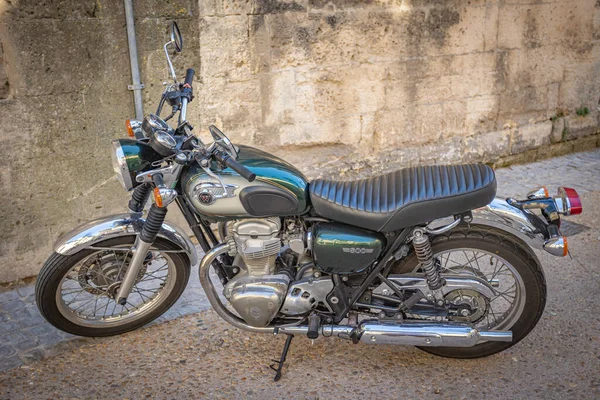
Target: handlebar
{"x":236,"y":166}
{"x":186,"y":93}
{"x":189,"y":76}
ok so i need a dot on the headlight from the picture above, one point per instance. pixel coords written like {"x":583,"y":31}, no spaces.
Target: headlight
{"x":119,"y":163}
{"x":130,"y":158}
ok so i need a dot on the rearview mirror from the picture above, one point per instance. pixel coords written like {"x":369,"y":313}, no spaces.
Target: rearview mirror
{"x":177,"y":42}
{"x":176,"y":37}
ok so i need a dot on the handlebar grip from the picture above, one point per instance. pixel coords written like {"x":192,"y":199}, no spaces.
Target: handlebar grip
{"x":240,"y":169}
{"x":189,"y":76}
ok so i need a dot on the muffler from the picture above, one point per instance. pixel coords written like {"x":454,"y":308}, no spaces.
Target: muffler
{"x":409,"y":333}
{"x":428,"y":334}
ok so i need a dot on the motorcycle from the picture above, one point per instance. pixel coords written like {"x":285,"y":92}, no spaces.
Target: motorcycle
{"x":425,"y":256}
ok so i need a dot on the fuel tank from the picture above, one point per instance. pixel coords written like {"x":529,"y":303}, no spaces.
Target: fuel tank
{"x":343,"y":249}
{"x":279,"y":189}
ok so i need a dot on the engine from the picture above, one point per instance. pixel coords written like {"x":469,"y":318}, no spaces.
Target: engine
{"x":259,"y":291}
{"x":256,"y":292}
{"x":257,"y":243}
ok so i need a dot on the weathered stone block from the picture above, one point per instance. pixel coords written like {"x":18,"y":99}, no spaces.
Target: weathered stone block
{"x":408,"y":126}
{"x":524,"y":106}
{"x":533,"y":67}
{"x":231,"y":61}
{"x":580,"y":86}
{"x":580,"y":126}
{"x":530,"y":136}
{"x":558,"y":129}
{"x":586,"y":143}
{"x":555,"y":150}
{"x":487,"y":147}
{"x":532,"y":26}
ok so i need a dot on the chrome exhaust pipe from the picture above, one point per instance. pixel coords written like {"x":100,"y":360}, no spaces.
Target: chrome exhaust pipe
{"x":409,"y":333}
{"x":429,"y":334}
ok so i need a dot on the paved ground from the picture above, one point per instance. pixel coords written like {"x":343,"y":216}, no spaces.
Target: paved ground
{"x":561,"y":357}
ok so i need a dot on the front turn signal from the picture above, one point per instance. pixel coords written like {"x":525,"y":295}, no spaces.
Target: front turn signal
{"x":157,"y":197}
{"x":163,"y":196}
{"x":130,"y":131}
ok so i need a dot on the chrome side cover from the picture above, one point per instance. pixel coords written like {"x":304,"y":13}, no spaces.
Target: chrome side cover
{"x":87,"y":235}
{"x":258,"y":298}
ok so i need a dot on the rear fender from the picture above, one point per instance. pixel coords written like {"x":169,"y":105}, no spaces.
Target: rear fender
{"x":501,"y":215}
{"x":87,"y":235}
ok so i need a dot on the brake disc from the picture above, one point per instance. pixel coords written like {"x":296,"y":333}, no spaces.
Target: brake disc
{"x":106,"y":270}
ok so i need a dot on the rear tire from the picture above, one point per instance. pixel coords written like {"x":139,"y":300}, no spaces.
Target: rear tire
{"x":58,"y":266}
{"x":515,"y":252}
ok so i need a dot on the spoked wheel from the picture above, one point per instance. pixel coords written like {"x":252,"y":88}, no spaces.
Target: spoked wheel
{"x":77,"y":293}
{"x":510,"y":267}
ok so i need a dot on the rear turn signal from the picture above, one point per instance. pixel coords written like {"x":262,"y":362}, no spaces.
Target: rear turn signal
{"x":538,"y":193}
{"x":557,"y":246}
{"x":129,"y":128}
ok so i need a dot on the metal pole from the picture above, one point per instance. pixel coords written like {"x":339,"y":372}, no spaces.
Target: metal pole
{"x":137,"y":86}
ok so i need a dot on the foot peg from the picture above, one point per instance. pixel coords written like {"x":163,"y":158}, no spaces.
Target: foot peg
{"x":281,"y":361}
{"x":314,"y":323}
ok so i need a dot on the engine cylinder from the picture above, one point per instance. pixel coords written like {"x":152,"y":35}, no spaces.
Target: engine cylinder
{"x":257,"y":242}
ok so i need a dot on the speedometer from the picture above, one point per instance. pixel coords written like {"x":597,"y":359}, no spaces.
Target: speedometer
{"x":154,"y":123}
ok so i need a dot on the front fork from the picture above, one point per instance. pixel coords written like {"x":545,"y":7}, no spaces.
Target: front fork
{"x":163,"y":196}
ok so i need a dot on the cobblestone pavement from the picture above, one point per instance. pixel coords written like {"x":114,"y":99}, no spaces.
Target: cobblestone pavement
{"x":25,"y":337}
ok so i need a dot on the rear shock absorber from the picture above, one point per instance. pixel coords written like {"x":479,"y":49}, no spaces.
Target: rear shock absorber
{"x":424,"y":253}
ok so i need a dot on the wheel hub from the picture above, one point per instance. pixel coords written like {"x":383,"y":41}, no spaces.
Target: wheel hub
{"x":466,"y":305}
{"x":103,"y":273}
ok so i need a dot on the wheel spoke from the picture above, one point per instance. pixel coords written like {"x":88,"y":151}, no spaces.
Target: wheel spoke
{"x":84,"y":290}
{"x":508,"y":299}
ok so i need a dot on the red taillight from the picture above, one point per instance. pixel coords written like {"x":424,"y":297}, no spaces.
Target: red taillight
{"x":574,"y":201}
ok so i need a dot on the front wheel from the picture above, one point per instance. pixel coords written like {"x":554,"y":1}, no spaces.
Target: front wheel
{"x":504,"y":261}
{"x":77,"y":293}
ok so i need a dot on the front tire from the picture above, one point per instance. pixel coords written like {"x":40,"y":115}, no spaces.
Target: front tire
{"x":505,"y":247}
{"x":89,"y":275}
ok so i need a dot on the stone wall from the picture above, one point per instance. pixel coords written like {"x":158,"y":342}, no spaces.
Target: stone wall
{"x":342,"y":87}
{"x":67,"y":62}
{"x":380,"y":84}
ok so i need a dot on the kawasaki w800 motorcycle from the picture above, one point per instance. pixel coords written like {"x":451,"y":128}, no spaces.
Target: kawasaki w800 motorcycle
{"x":424,"y":256}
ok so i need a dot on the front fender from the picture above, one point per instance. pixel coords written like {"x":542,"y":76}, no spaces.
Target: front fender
{"x":501,"y":215}
{"x":112,"y":226}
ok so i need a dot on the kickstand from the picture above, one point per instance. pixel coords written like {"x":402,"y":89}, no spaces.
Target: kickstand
{"x":281,"y":361}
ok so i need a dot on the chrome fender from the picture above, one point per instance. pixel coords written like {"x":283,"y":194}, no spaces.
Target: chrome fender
{"x":87,"y":235}
{"x":501,"y":215}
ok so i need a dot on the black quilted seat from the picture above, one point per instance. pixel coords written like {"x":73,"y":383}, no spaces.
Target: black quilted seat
{"x":406,"y":197}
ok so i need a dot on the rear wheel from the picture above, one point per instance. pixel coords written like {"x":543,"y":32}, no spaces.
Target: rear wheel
{"x":76,"y":293}
{"x":504,"y":261}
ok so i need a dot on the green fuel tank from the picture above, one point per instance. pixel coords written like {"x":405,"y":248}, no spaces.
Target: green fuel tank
{"x":280,"y":189}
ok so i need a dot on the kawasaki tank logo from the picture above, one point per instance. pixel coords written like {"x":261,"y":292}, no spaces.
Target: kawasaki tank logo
{"x":357,"y":250}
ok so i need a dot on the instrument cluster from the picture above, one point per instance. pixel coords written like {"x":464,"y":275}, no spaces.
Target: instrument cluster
{"x":160,"y":135}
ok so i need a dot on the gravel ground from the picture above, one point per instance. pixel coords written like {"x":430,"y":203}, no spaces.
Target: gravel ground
{"x":200,"y":356}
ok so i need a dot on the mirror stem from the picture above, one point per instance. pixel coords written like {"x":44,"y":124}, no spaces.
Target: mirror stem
{"x":169,"y":61}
